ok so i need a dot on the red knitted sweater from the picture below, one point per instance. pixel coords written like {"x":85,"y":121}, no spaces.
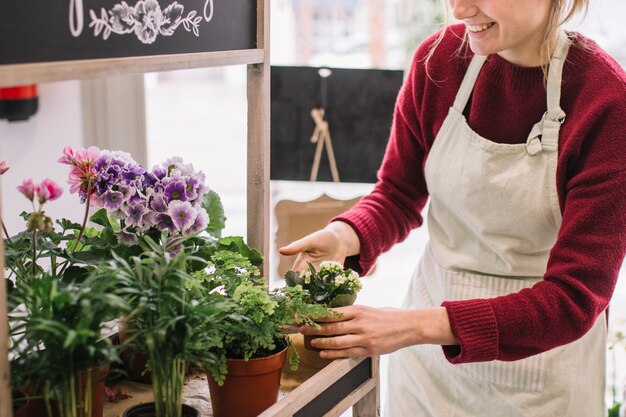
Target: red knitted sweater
{"x":591,"y":181}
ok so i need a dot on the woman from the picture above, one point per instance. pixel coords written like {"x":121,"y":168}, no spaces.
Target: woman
{"x":516,"y":130}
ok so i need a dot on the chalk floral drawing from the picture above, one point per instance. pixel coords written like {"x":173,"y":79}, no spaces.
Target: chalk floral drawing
{"x":146,"y":20}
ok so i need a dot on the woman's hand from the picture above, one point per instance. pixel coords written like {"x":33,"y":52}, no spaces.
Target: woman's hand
{"x":366,"y":331}
{"x":333,"y":243}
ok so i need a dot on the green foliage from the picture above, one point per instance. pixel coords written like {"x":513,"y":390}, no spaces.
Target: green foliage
{"x":169,"y":323}
{"x":58,"y":336}
{"x":330,"y":285}
{"x":213,"y":206}
{"x":614,"y":410}
{"x":254,"y":327}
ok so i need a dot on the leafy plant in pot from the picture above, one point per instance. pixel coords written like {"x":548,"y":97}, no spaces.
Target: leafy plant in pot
{"x":253,"y":344}
{"x":55,"y":315}
{"x":139,"y":204}
{"x":168,"y":323}
{"x":330,"y":285}
{"x":58,"y":351}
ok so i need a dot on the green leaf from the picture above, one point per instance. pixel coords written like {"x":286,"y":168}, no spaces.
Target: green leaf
{"x":237,"y":244}
{"x":292,"y":278}
{"x":214,"y":208}
{"x":101,"y":218}
{"x":75,"y":274}
{"x":342,"y":300}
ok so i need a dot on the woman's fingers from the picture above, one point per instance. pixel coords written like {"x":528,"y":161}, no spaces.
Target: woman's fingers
{"x":336,"y":343}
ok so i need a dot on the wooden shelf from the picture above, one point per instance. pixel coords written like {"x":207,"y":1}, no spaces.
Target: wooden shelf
{"x":20,"y":74}
{"x":306,"y":392}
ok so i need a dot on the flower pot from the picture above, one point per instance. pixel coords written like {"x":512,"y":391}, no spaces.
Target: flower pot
{"x":37,"y":407}
{"x":250,"y":387}
{"x":21,"y":404}
{"x":134,"y":362}
{"x":309,"y":356}
{"x":148,"y":410}
{"x":307,"y":343}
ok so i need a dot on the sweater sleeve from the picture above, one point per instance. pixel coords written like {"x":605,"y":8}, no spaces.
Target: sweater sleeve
{"x":585,"y":261}
{"x":392,"y":209}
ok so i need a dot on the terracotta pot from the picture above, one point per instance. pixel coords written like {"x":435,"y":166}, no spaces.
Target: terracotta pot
{"x":307,"y":343}
{"x":37,"y":408}
{"x":21,"y":404}
{"x":309,"y":356}
{"x":250,"y":387}
{"x":148,"y":410}
{"x":134,"y":362}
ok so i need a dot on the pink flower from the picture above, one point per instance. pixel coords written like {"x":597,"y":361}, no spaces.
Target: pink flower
{"x":48,"y":190}
{"x":82,"y":171}
{"x":67,"y":157}
{"x":86,"y":156}
{"x":27,"y":188}
{"x":80,"y":157}
{"x":3,"y":167}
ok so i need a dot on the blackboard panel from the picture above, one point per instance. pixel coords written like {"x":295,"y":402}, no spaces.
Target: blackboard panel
{"x":42,"y":30}
{"x":359,"y":108}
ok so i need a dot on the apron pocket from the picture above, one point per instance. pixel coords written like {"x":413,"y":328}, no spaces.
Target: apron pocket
{"x":438,"y":284}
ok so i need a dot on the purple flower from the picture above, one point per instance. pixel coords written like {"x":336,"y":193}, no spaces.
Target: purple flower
{"x":182,"y":213}
{"x":135,"y":213}
{"x":113,"y":200}
{"x":159,"y":172}
{"x":191,"y":188}
{"x":176,"y":191}
{"x":201,"y":222}
{"x":158,"y":203}
{"x":164,"y":222}
{"x":133,"y":173}
{"x":126,"y":238}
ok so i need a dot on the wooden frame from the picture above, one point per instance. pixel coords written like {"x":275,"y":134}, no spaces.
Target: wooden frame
{"x":364,"y":395}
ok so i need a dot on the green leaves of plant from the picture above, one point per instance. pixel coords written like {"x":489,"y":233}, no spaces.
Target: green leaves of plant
{"x":217,"y":220}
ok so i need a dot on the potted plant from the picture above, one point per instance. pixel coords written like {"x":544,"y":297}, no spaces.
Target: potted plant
{"x":252,"y":347}
{"x":58,"y":352}
{"x":330,"y":285}
{"x":137,"y":204}
{"x":55,"y":320}
{"x":168,"y":323}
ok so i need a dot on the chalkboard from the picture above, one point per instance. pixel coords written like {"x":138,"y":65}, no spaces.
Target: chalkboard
{"x":358,"y":107}
{"x":43,"y":31}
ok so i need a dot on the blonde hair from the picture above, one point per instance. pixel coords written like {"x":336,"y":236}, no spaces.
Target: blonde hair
{"x":561,"y":12}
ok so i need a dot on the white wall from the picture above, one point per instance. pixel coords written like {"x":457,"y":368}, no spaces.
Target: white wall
{"x":32,"y":147}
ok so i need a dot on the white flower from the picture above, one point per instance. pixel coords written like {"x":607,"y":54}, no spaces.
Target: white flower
{"x":331,"y":267}
{"x":306,"y":274}
{"x":354,"y":276}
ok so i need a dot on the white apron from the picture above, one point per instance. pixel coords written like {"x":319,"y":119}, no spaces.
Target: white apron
{"x":493,"y":218}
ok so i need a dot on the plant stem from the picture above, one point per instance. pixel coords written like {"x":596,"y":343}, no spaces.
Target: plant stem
{"x":4,"y":228}
{"x":82,"y":229}
{"x":34,"y":252}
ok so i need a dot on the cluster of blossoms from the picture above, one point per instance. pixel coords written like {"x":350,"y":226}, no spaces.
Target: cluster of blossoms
{"x":168,"y":198}
{"x":45,"y":191}
{"x":330,"y":284}
{"x":331,"y":272}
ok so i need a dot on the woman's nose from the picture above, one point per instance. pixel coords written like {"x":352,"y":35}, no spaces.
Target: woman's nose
{"x":463,"y":9}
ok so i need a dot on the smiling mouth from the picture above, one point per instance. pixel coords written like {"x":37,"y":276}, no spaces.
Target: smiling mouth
{"x":480,"y":28}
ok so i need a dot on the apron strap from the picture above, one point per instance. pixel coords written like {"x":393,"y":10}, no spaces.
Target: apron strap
{"x":545,"y":134}
{"x":467,"y":85}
